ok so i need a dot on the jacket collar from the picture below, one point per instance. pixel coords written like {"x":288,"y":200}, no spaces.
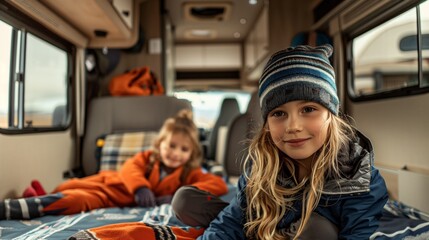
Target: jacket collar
{"x":355,"y":163}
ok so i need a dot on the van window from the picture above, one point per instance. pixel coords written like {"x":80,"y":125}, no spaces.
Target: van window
{"x":386,"y":58}
{"x":206,"y":104}
{"x":424,"y":8}
{"x":5,"y":48}
{"x":34,"y":82}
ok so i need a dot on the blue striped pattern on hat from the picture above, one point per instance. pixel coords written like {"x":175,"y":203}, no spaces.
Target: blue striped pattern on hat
{"x":299,"y":73}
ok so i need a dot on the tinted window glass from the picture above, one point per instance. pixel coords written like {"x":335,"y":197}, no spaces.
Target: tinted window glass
{"x":424,"y":9}
{"x":45,"y":83}
{"x":5,"y":58}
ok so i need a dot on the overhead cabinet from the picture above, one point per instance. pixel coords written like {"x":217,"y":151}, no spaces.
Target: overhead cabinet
{"x":88,"y":23}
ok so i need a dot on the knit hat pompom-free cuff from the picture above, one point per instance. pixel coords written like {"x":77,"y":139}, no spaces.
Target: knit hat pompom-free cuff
{"x":299,"y":73}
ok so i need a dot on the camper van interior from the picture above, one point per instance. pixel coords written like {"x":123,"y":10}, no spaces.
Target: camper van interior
{"x":61,"y":118}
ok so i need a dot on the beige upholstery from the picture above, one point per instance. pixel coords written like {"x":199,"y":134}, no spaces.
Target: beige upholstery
{"x":240,"y":131}
{"x":59,"y":116}
{"x":228,"y":111}
{"x":108,"y":115}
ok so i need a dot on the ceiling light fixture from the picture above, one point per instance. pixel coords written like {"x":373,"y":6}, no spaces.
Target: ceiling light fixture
{"x":237,"y":35}
{"x":201,"y":32}
{"x":253,"y":2}
{"x":243,"y":21}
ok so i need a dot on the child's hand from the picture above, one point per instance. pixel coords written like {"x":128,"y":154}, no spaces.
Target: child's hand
{"x":144,"y":197}
{"x":164,"y":199}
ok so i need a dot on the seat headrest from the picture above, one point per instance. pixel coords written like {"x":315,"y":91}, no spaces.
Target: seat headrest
{"x":229,"y":108}
{"x":312,"y":38}
{"x":253,"y":108}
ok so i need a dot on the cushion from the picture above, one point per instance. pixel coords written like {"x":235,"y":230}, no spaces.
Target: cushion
{"x":117,"y":148}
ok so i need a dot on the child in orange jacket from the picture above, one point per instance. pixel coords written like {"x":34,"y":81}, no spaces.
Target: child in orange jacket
{"x":149,"y":178}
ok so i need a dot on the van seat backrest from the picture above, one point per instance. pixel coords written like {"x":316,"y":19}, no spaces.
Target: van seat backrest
{"x":229,"y":110}
{"x":107,"y":115}
{"x":240,"y":131}
{"x":59,"y":116}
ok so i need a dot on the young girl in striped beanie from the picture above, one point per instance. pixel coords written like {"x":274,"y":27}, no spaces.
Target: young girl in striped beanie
{"x":309,"y":174}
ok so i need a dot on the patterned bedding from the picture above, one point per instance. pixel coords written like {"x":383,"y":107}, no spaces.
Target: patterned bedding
{"x":398,"y":222}
{"x":62,"y":227}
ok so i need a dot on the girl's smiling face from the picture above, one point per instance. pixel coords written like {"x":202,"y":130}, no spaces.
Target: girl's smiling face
{"x":299,"y":128}
{"x":175,"y":150}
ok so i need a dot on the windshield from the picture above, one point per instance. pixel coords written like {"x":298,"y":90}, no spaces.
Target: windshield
{"x":206,"y":105}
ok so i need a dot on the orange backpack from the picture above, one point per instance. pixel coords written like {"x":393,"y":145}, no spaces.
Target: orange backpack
{"x":138,"y":81}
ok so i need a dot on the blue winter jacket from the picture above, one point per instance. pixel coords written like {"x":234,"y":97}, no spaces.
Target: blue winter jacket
{"x":353,"y":204}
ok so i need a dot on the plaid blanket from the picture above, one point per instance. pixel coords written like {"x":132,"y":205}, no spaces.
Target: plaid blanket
{"x":117,"y":148}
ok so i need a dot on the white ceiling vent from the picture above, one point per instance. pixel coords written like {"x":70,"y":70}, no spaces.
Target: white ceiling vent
{"x":207,"y":11}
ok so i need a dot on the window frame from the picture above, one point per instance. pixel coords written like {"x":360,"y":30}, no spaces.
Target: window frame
{"x":20,"y":21}
{"x":394,"y":93}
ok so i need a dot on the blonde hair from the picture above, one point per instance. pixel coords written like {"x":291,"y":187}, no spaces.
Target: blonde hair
{"x":182,"y":123}
{"x":267,"y":201}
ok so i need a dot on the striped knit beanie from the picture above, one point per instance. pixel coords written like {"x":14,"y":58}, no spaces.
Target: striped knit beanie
{"x":299,"y":73}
